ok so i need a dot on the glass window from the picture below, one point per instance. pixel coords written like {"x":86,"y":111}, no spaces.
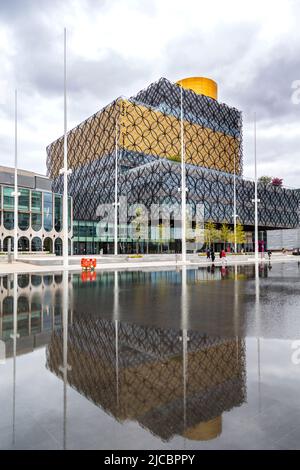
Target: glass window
{"x":8,"y":305}
{"x":8,"y":220}
{"x":8,"y":198}
{"x":36,"y":244}
{"x":36,"y":222}
{"x":23,"y":280}
{"x":23,"y":220}
{"x":36,"y":280}
{"x":48,"y":212}
{"x":36,"y":201}
{"x":75,"y":230}
{"x":24,"y":200}
{"x":58,"y":209}
{"x":58,"y":246}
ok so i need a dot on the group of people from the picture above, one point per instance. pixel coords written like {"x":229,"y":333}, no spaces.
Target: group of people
{"x":210,"y":254}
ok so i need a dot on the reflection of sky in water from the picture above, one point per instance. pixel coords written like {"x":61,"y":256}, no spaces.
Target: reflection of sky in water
{"x":229,"y":383}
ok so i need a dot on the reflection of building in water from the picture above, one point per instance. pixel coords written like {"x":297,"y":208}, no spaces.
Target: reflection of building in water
{"x":39,"y":310}
{"x":140,"y":376}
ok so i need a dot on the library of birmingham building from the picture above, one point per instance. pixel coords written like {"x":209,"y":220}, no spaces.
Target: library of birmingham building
{"x":144,"y":132}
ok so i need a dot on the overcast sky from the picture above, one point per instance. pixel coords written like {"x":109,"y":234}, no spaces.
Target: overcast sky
{"x":117,"y":47}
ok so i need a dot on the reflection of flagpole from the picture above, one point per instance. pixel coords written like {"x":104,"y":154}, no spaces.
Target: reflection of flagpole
{"x":184,"y":326}
{"x":257,"y":312}
{"x":14,"y":337}
{"x":116,"y":316}
{"x":184,"y":372}
{"x":236,"y":311}
{"x":65,"y":367}
{"x":183,"y":182}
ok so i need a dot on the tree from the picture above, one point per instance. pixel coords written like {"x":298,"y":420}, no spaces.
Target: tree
{"x":161,"y":238}
{"x":277,"y":181}
{"x":240,"y":234}
{"x":174,"y":158}
{"x":225,"y":234}
{"x":139,"y":227}
{"x":210,"y":233}
{"x":265,"y":180}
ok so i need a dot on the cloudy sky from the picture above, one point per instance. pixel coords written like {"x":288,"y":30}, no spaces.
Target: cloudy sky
{"x":117,"y":47}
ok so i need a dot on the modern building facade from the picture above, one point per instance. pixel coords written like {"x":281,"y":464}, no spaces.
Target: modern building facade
{"x":143,"y":135}
{"x":284,"y":239}
{"x":39,"y":213}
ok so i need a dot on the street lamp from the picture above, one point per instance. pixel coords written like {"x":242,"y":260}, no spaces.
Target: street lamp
{"x":15,"y":193}
{"x":234,"y":204}
{"x":64,"y":171}
{"x":183,"y":182}
{"x":256,"y":200}
{"x":116,"y":203}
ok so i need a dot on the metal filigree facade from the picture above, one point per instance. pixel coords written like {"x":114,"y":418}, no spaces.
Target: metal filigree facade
{"x":146,"y":128}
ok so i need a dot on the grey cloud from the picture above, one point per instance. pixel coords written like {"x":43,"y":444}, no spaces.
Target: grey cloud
{"x":39,"y":65}
{"x":269,"y":91}
{"x":213,"y":55}
{"x":264,"y":86}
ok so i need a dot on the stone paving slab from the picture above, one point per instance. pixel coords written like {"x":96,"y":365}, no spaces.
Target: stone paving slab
{"x":44,"y":264}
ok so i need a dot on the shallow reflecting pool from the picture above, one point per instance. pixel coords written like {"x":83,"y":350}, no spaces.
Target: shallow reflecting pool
{"x":187,"y":359}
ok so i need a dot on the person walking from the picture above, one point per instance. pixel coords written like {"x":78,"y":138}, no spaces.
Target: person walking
{"x":213,"y":256}
{"x":269,"y":254}
{"x":223,"y":257}
{"x":208,"y":253}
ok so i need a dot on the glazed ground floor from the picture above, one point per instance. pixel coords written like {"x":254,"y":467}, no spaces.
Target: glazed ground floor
{"x":85,"y":241}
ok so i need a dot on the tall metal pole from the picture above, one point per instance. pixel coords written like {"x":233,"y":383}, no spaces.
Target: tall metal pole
{"x":116,"y":191}
{"x":234,"y":205}
{"x":255,"y":195}
{"x":15,"y":193}
{"x":65,"y":168}
{"x":183,"y":183}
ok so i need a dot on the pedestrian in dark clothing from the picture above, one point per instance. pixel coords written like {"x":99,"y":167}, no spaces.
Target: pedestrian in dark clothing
{"x":208,"y":253}
{"x":213,"y":256}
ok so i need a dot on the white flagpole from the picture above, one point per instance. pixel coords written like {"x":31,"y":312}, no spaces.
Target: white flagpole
{"x":234,"y":205}
{"x":65,"y":168}
{"x":183,"y":183}
{"x":116,"y":192}
{"x":15,"y":193}
{"x":255,"y":195}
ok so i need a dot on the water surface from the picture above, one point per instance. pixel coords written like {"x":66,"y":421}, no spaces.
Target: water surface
{"x":187,"y":359}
